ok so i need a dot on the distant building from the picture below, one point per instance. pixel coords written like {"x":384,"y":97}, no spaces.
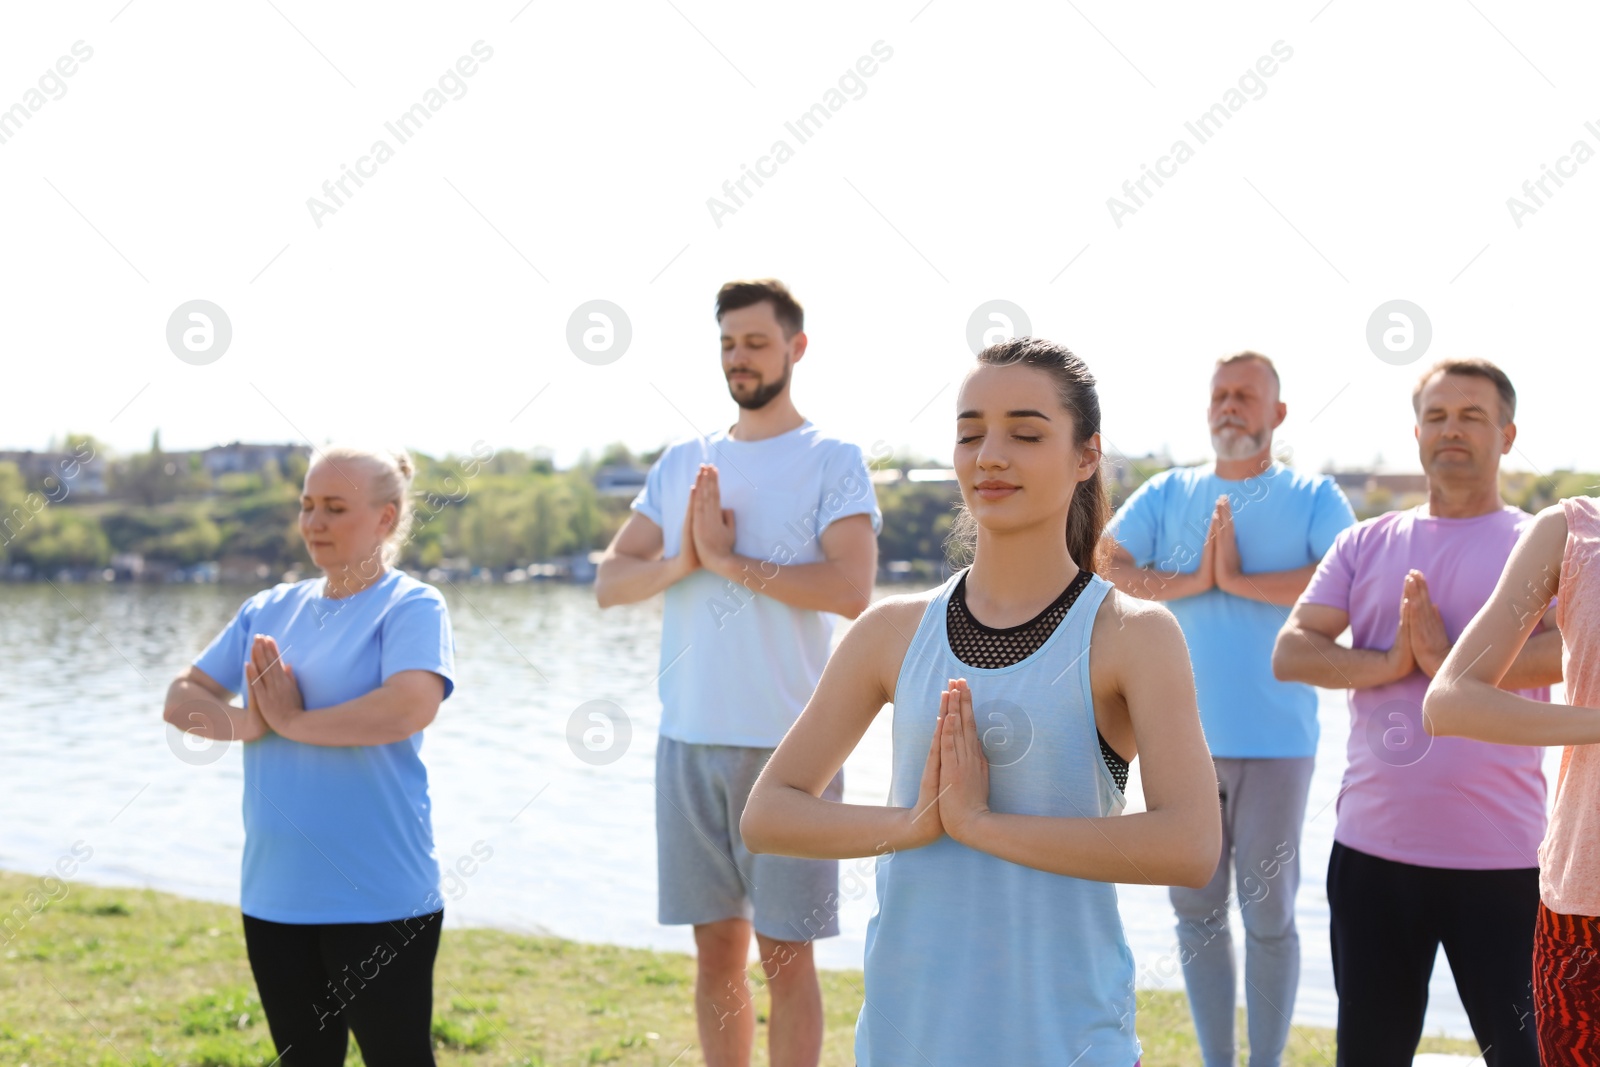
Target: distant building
{"x":1370,"y":492}
{"x":48,"y":471}
{"x":240,"y":458}
{"x":620,"y":480}
{"x":1354,"y":486}
{"x":240,"y":570}
{"x":1127,"y":473}
{"x":892,"y":475}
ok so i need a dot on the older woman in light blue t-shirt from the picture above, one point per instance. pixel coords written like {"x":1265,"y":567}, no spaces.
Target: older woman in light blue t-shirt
{"x":339,"y":886}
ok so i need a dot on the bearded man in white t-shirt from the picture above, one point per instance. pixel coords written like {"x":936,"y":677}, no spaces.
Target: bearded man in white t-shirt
{"x":759,"y":535}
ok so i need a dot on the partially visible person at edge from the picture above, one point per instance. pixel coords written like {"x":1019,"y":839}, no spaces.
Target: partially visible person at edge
{"x":339,"y":675}
{"x":1228,"y":546}
{"x":758,"y":535}
{"x":996,"y":938}
{"x":1555,"y":561}
{"x":1436,"y":838}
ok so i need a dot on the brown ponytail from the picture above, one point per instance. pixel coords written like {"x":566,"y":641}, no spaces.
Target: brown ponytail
{"x":1090,"y":509}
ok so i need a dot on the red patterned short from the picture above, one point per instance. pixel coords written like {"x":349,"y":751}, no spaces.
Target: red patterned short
{"x":1566,"y":988}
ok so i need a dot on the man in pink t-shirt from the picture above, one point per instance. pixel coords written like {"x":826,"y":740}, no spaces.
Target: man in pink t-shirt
{"x":1437,"y":837}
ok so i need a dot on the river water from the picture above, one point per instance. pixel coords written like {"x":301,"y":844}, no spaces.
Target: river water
{"x":84,"y":670}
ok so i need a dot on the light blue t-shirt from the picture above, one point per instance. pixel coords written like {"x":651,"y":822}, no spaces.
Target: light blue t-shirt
{"x":1282,"y":519}
{"x":338,"y":834}
{"x":737,"y":667}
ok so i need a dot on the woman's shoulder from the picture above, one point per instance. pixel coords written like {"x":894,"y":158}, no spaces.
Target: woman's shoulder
{"x":279,"y":593}
{"x":1547,"y":531}
{"x":889,"y":623}
{"x":900,"y":611}
{"x":880,"y":638}
{"x":1582,"y":512}
{"x":1124,"y":622}
{"x":408,"y":588}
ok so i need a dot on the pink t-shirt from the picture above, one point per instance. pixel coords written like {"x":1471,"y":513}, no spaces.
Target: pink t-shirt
{"x":1569,"y":859}
{"x":1408,"y":796}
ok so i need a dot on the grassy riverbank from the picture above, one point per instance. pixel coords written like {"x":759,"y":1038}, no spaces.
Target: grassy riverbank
{"x":135,"y":978}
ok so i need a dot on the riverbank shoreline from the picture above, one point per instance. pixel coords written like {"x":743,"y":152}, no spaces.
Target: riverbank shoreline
{"x":100,"y":975}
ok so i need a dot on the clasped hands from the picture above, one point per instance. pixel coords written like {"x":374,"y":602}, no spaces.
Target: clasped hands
{"x":708,"y":529}
{"x":953,"y":797}
{"x":1220,"y":567}
{"x":274,"y":702}
{"x":1420,"y":641}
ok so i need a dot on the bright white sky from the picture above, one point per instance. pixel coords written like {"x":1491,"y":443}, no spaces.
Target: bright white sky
{"x":432,"y":307}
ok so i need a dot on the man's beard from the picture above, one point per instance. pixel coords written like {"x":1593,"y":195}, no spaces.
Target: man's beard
{"x":763,"y":394}
{"x":1241,"y":444}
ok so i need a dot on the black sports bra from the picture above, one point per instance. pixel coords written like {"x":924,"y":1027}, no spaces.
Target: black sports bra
{"x":978,"y":645}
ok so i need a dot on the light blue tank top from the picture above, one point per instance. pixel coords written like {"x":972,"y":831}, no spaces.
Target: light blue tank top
{"x":971,"y":959}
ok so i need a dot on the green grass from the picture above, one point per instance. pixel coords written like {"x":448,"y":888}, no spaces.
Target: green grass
{"x":120,"y":977}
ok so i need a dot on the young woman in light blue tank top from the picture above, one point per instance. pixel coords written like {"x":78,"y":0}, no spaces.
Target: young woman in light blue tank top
{"x":997,"y":938}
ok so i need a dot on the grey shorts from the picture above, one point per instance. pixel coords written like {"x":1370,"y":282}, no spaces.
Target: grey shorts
{"x":705,"y":874}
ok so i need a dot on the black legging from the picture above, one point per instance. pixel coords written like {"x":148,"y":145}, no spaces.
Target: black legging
{"x":320,"y":981}
{"x":1387,"y":921}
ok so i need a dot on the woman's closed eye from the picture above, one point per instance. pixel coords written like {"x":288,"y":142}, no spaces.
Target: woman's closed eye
{"x":1016,"y":437}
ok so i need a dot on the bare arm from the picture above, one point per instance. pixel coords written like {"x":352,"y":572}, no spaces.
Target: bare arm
{"x":1468,"y":697}
{"x":841,"y":583}
{"x":198,"y":704}
{"x":786,"y":813}
{"x":1271,"y":587}
{"x":1177,"y":839}
{"x":1282,"y":588}
{"x":1157,"y":583}
{"x":632,"y":568}
{"x":1538,"y":664}
{"x":406,"y":702}
{"x":1306,"y":651}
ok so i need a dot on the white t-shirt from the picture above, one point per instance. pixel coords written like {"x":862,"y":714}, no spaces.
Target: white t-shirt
{"x":737,"y":667}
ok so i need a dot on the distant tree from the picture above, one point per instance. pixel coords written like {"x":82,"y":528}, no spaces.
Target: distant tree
{"x":1575,"y":483}
{"x":15,"y":515}
{"x":85,"y":444}
{"x":58,"y":537}
{"x":295,"y":465}
{"x":149,"y":478}
{"x":917,"y":517}
{"x":196,"y":541}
